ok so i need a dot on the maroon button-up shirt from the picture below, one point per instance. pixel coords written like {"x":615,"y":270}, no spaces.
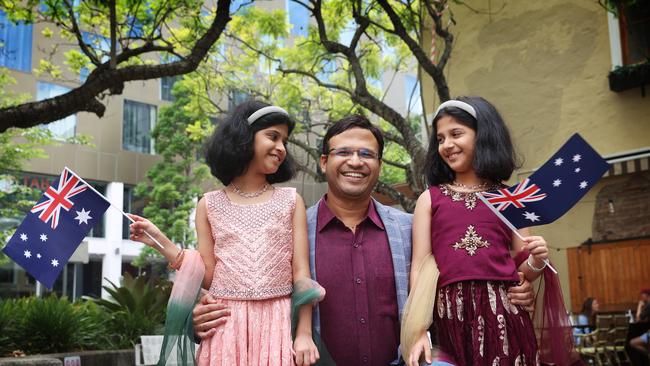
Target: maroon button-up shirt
{"x":359,"y":317}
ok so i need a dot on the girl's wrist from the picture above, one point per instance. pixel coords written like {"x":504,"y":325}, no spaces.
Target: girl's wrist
{"x":535,"y":264}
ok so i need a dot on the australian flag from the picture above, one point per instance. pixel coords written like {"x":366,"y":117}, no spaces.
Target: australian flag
{"x":553,"y":189}
{"x":55,"y":226}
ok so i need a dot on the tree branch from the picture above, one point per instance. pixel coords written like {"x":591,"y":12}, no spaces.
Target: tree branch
{"x":84,"y":97}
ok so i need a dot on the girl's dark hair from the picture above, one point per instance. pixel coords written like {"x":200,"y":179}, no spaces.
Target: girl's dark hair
{"x":230,"y":149}
{"x":588,"y":309}
{"x":352,"y":121}
{"x":494,"y":155}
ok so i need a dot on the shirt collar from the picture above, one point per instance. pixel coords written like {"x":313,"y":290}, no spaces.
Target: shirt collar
{"x":325,"y":215}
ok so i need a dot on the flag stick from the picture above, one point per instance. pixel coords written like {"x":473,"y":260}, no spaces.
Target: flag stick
{"x":111,"y":204}
{"x":510,"y":225}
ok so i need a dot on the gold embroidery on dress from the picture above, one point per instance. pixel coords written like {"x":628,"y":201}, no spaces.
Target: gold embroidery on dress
{"x":492,"y":297}
{"x":441,"y":305}
{"x":503,"y":335}
{"x":448,"y":303}
{"x":518,"y":361}
{"x":471,"y":241}
{"x":459,"y":301}
{"x":481,"y":334}
{"x":510,"y":308}
{"x":468,"y":197}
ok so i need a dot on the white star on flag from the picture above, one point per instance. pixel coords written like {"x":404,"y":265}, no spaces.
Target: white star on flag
{"x":43,"y":237}
{"x":557,"y":182}
{"x":577,"y":170}
{"x":576,"y":158}
{"x":55,"y":263}
{"x":23,"y":237}
{"x":28,"y":254}
{"x":559,"y":161}
{"x":83,"y":216}
{"x":583,"y":184}
{"x":531,"y":216}
{"x":38,"y":255}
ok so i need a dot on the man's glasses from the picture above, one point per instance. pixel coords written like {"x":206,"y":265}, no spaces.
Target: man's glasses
{"x":363,"y":153}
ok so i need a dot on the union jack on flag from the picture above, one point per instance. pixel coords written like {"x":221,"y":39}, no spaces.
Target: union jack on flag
{"x":55,"y":226}
{"x":553,"y":189}
{"x":523,"y":192}
{"x":58,"y":198}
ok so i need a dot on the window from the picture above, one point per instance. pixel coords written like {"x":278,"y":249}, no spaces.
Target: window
{"x":63,"y":128}
{"x":634,"y":23}
{"x":166,"y":86}
{"x":139,"y":120}
{"x":132,"y":204}
{"x":15,"y":44}
{"x":299,"y":19}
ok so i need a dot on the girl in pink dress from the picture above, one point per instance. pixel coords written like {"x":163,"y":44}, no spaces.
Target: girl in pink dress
{"x":475,"y":324}
{"x":252,"y":239}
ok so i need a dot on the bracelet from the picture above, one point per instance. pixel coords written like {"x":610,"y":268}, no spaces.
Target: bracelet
{"x":176,"y":263}
{"x":533,"y":268}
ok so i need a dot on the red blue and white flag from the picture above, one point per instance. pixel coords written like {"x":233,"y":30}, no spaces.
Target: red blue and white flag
{"x":553,"y":189}
{"x":55,"y":226}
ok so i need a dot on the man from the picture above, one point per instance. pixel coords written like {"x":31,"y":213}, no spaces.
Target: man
{"x":360,"y":252}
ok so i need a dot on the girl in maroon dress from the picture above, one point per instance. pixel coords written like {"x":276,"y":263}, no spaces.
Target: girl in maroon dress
{"x":470,"y":151}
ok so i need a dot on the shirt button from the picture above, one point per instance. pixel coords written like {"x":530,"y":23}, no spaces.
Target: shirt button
{"x":364,"y":359}
{"x":358,"y":280}
{"x":362,"y":320}
{"x":356,"y":245}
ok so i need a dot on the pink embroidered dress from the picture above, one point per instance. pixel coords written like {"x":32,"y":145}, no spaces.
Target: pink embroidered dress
{"x":253,"y":247}
{"x":473,"y":318}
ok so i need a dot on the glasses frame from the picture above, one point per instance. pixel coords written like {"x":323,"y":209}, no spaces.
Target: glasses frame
{"x":360,"y":152}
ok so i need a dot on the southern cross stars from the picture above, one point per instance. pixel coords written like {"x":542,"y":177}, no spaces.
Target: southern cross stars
{"x":23,"y":237}
{"x":43,"y":237}
{"x":83,"y":216}
{"x":55,"y":263}
{"x":557,"y":182}
{"x":28,"y":254}
{"x":583,"y":184}
{"x":559,"y":161}
{"x":531,"y":216}
{"x":576,"y":158}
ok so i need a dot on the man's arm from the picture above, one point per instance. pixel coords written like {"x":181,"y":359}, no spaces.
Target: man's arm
{"x":207,"y":315}
{"x":522,"y":294}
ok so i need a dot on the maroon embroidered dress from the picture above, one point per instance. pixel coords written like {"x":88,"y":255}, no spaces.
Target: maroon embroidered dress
{"x":473,"y":318}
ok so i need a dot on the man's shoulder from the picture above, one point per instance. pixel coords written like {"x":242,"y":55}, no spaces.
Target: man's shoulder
{"x":395,"y":213}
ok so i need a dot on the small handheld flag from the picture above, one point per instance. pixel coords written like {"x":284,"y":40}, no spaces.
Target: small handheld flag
{"x":55,"y":226}
{"x":553,"y":189}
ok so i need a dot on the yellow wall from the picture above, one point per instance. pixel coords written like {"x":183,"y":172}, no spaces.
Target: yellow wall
{"x":544,"y":65}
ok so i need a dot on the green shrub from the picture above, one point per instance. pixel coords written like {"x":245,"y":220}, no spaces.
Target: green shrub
{"x":136,"y":308}
{"x":8,"y":317}
{"x":52,"y":325}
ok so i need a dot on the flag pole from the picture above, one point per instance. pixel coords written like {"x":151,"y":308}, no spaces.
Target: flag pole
{"x":510,"y":225}
{"x":112,"y":205}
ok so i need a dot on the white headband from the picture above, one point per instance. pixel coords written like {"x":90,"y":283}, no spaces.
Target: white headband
{"x":458,"y":104}
{"x":264,"y":111}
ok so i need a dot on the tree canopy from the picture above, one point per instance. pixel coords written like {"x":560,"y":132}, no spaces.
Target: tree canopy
{"x":117,"y":41}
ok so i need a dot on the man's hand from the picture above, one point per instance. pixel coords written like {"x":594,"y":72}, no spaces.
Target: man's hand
{"x":207,"y":315}
{"x":523,"y":294}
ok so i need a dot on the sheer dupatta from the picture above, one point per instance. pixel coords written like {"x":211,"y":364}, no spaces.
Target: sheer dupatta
{"x":308,"y":291}
{"x":179,"y":331}
{"x":552,"y":325}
